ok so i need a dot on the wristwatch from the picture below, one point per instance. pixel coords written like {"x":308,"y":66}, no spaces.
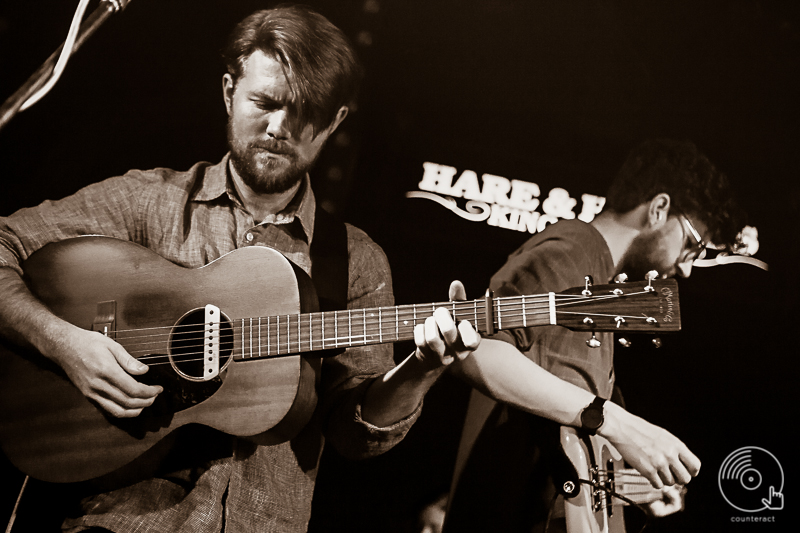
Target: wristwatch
{"x":592,"y":416}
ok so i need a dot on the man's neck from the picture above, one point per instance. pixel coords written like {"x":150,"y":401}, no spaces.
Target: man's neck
{"x":618,"y":230}
{"x":261,"y":205}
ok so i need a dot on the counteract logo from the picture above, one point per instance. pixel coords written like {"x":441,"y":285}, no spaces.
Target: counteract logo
{"x":751,"y":480}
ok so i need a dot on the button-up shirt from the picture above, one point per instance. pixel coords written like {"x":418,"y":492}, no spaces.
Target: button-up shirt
{"x":192,"y":218}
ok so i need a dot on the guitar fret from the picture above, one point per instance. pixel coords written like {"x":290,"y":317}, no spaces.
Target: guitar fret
{"x":299,"y":340}
{"x":259,"y":337}
{"x":251,"y":337}
{"x":499,"y":314}
{"x":243,"y":339}
{"x":336,"y":329}
{"x":277,"y":335}
{"x":288,"y":334}
{"x":349,"y":326}
{"x":524,"y":314}
{"x":364,"y":318}
{"x":380,"y":326}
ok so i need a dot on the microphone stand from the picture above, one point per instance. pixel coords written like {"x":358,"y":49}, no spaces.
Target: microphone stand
{"x":12,"y":105}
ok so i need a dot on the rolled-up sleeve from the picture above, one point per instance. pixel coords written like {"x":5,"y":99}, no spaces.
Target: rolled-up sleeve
{"x":346,"y":377}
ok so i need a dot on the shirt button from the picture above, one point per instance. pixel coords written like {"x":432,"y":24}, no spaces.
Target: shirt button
{"x":248,"y":237}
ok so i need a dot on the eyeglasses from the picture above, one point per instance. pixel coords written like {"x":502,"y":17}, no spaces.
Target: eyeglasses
{"x":698,"y":249}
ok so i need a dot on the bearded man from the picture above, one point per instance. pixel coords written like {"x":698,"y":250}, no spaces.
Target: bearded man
{"x":291,"y":77}
{"x":664,"y":205}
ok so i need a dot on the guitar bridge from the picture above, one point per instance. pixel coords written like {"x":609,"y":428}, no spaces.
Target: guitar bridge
{"x":603,"y":486}
{"x":211,"y":342}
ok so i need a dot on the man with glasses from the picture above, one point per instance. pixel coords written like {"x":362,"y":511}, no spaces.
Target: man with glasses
{"x":666,"y":202}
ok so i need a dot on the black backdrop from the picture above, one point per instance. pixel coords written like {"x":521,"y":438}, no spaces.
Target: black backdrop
{"x":547,"y":92}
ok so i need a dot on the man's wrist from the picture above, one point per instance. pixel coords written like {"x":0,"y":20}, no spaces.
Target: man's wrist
{"x":593,"y":416}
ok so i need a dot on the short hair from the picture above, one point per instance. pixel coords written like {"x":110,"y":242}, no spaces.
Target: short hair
{"x":319,"y":62}
{"x":694,"y":185}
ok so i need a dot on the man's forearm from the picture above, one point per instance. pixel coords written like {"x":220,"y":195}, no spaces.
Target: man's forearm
{"x":398,"y":393}
{"x":23,"y":318}
{"x":502,"y":372}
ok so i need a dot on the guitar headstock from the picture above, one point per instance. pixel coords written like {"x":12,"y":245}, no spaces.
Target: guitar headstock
{"x":646,"y":306}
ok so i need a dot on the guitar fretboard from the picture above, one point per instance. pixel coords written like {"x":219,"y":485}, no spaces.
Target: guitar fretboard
{"x":292,"y":334}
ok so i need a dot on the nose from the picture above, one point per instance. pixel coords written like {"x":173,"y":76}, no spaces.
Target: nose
{"x":278,"y":125}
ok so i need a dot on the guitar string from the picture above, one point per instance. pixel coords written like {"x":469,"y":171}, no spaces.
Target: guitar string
{"x":467,"y":306}
{"x":614,"y":494}
{"x":366,"y":325}
{"x":631,"y":483}
{"x":285,"y":347}
{"x":507,"y":311}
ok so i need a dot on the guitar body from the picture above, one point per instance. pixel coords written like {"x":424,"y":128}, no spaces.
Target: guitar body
{"x":50,"y":431}
{"x":594,"y":459}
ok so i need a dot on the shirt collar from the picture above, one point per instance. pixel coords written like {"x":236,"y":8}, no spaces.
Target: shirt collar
{"x":218,"y":182}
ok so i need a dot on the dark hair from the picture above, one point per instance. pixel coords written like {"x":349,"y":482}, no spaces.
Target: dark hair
{"x":695,"y":187}
{"x":319,"y":63}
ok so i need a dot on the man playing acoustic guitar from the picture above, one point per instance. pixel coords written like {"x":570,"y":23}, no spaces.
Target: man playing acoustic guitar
{"x":291,"y":76}
{"x":665,"y":204}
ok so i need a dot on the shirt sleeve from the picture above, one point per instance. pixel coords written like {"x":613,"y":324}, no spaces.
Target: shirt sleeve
{"x":106,"y":208}
{"x":552,"y":266}
{"x":346,"y":377}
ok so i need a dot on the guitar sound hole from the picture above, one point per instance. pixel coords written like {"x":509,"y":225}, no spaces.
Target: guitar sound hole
{"x":187,"y":344}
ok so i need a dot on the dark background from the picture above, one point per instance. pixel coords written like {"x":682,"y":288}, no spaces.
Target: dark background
{"x":554,"y":93}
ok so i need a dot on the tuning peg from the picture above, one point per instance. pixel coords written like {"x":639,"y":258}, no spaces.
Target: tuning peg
{"x":588,"y":281}
{"x":622,"y":277}
{"x":594,"y":342}
{"x":656,"y":342}
{"x":650,"y":276}
{"x":625,"y":342}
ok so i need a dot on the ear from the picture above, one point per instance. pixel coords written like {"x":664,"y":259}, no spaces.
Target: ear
{"x":340,"y":115}
{"x":658,"y":210}
{"x":228,"y":87}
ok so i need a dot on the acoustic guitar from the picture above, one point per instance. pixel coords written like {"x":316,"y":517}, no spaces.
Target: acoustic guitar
{"x":236,"y":345}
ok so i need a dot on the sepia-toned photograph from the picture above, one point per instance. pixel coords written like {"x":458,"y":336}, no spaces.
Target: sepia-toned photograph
{"x":399,"y":266}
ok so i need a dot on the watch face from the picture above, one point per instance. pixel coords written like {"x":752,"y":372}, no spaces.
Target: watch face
{"x":591,"y":418}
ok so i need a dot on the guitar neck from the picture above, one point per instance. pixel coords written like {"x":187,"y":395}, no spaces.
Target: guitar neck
{"x":308,"y":332}
{"x":605,"y":308}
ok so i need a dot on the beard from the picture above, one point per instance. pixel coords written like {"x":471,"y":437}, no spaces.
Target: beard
{"x":643,"y":255}
{"x":264,"y":174}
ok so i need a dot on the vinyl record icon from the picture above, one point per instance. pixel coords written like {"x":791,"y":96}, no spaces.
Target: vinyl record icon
{"x":749,"y":477}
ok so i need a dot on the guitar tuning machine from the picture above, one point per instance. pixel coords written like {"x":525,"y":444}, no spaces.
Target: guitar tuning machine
{"x":622,"y":277}
{"x":650,"y":276}
{"x":588,"y":281}
{"x":619,"y":320}
{"x":625,"y":342}
{"x":657,"y":342}
{"x":594,"y":342}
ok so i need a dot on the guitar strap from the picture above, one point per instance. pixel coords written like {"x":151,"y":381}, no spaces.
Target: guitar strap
{"x":329,"y":261}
